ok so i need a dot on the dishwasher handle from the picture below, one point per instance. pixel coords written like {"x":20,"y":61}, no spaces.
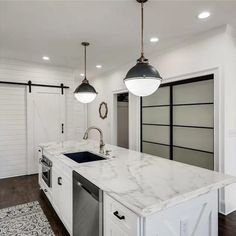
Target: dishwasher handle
{"x":88,"y":191}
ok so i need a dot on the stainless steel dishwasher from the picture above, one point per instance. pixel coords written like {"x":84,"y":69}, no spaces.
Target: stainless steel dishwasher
{"x":87,"y":207}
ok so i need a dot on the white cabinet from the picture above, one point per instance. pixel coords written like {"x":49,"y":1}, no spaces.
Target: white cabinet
{"x":119,"y":220}
{"x":56,"y":190}
{"x":197,"y":216}
{"x":113,"y":230}
{"x":62,"y":193}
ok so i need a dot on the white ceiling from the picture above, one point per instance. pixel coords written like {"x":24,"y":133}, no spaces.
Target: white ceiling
{"x":31,"y":29}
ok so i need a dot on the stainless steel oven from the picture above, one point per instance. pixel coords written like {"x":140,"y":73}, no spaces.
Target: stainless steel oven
{"x":46,"y":170}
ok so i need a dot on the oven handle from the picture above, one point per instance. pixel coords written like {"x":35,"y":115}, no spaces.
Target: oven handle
{"x":45,"y":165}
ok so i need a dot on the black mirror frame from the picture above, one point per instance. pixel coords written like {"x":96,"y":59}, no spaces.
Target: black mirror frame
{"x":100,"y":110}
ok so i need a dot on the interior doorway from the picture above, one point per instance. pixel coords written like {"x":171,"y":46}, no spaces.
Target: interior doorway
{"x":122,"y":120}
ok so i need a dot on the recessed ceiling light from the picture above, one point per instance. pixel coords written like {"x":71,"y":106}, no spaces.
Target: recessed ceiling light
{"x":82,"y":74}
{"x":99,"y":66}
{"x":204,"y":15}
{"x":154,"y":39}
{"x":46,"y":58}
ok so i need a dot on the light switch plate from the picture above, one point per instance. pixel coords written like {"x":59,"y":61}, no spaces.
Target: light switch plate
{"x":184,"y":227}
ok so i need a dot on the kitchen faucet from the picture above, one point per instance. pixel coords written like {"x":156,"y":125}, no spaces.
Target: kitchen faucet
{"x":101,"y":137}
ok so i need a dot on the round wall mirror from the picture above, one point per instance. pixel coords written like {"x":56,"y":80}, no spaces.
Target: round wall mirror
{"x":103,"y":110}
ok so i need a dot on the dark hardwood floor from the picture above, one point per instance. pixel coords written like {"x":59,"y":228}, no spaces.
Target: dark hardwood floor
{"x":227,"y":224}
{"x":19,"y":190}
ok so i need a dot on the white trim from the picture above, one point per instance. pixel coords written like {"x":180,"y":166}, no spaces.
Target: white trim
{"x":119,"y":91}
{"x":191,"y":75}
{"x":138,"y":131}
{"x":134,"y":132}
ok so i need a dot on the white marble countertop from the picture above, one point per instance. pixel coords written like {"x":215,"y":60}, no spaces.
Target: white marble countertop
{"x":143,"y":183}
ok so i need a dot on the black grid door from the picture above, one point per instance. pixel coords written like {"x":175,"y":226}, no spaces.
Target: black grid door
{"x":177,"y":122}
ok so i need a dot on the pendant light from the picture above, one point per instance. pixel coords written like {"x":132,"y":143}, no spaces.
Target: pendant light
{"x":142,"y":79}
{"x":85,"y":92}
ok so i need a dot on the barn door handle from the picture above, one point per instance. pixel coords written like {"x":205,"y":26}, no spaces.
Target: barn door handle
{"x":62,"y":128}
{"x":59,"y":180}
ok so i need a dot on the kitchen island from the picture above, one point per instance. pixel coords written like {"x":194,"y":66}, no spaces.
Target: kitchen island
{"x":156,"y":196}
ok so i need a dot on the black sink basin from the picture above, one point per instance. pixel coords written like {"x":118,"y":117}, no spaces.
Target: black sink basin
{"x":81,"y":157}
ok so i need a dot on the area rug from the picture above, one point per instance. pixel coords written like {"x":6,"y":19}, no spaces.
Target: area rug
{"x":25,"y":219}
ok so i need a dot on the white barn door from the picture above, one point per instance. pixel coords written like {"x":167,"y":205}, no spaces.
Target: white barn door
{"x":45,"y":118}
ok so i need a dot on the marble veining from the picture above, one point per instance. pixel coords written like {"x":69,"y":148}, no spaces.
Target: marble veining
{"x":143,"y":183}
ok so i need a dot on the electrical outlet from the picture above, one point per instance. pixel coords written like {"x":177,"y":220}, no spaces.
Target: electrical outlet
{"x":184,"y":227}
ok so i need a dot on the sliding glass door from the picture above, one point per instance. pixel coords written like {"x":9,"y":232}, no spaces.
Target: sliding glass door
{"x":156,"y":123}
{"x":177,"y":122}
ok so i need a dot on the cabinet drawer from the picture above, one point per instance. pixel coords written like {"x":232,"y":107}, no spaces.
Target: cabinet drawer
{"x":120,"y":216}
{"x":66,"y":170}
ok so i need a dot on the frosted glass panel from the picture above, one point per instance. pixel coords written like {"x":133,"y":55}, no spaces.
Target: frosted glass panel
{"x":160,"y":97}
{"x":195,"y":158}
{"x":156,"y":150}
{"x":158,"y":134}
{"x":193,"y":138}
{"x":156,"y":115}
{"x":200,"y":115}
{"x":197,"y":92}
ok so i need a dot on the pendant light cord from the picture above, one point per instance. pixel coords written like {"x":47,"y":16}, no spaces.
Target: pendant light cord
{"x":85,"y":44}
{"x":142,"y":59}
{"x":142,"y":53}
{"x":85,"y":59}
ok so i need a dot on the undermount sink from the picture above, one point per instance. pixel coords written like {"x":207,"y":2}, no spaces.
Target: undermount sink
{"x":81,"y":157}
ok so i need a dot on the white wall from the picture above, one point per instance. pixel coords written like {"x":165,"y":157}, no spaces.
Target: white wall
{"x":230,"y":117}
{"x":18,"y":71}
{"x":212,"y":51}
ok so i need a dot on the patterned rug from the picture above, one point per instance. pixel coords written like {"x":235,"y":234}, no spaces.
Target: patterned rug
{"x":25,"y":219}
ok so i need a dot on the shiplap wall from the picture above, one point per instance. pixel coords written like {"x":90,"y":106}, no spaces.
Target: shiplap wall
{"x":13,"y":125}
{"x":12,"y":131}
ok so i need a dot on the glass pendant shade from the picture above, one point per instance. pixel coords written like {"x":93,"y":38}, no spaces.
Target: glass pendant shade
{"x":142,"y":79}
{"x":85,"y":93}
{"x":85,"y":97}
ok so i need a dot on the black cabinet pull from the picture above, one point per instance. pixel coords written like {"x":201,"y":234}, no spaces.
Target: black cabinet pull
{"x":59,"y":180}
{"x":116,"y":213}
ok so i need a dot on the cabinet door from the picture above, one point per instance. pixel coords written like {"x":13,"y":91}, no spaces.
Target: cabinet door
{"x":56,"y":189}
{"x":62,"y":197}
{"x":113,"y":230}
{"x":66,"y":200}
{"x":119,"y":220}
